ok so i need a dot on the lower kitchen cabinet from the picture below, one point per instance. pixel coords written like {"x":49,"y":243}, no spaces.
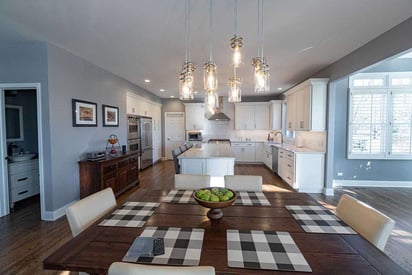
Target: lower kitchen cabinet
{"x":267,"y":157}
{"x":304,"y":171}
{"x":23,"y":180}
{"x":120,"y":173}
{"x":215,"y":167}
{"x":244,"y":151}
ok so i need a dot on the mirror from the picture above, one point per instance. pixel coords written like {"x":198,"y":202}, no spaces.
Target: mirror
{"x":14,"y":123}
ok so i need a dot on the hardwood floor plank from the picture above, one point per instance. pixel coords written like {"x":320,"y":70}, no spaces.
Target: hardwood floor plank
{"x":25,"y":240}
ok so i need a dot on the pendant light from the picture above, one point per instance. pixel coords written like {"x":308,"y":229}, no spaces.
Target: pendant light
{"x":236,"y":43}
{"x":186,"y":77}
{"x":210,"y":73}
{"x":259,"y":63}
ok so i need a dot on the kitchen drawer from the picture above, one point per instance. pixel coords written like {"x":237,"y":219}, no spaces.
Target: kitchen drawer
{"x":26,"y":178}
{"x":123,"y":163}
{"x":24,"y":192}
{"x":109,"y":168}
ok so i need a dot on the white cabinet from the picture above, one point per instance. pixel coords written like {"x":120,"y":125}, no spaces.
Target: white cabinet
{"x":244,"y":151}
{"x":195,"y":116}
{"x":306,"y":105}
{"x":23,"y":180}
{"x":215,"y":167}
{"x":260,"y":152}
{"x":303,"y":171}
{"x":268,"y":156}
{"x":275,"y":114}
{"x":252,"y":116}
{"x":157,"y":131}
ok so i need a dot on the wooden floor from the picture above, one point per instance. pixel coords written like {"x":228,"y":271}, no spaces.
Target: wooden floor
{"x":25,"y":240}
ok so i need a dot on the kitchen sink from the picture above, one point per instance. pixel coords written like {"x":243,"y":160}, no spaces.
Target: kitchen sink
{"x":23,"y":157}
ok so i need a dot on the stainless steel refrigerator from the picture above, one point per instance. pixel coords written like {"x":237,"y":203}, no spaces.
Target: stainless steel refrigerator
{"x":146,"y":147}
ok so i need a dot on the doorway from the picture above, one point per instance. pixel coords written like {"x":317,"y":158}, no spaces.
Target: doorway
{"x":174,"y":131}
{"x":21,"y":146}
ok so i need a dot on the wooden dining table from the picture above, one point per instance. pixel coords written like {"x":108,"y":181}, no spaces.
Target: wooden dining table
{"x":94,"y":249}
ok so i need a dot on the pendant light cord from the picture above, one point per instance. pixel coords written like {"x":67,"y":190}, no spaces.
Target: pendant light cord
{"x":260,"y":28}
{"x":211,"y":31}
{"x":187,"y":22}
{"x":235,"y":16}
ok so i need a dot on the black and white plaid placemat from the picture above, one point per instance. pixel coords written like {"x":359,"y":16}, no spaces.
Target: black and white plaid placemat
{"x":244,"y":198}
{"x":317,"y":219}
{"x":131,"y":214}
{"x":180,"y":196}
{"x":256,"y":249}
{"x":251,"y":198}
{"x":183,"y":246}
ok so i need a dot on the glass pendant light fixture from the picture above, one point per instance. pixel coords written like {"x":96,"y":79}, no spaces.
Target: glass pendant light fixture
{"x":236,"y":43}
{"x":210,"y":72}
{"x":186,"y":77}
{"x":259,"y":63}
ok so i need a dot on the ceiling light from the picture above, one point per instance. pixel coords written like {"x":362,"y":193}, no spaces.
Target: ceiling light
{"x":147,"y":80}
{"x":234,"y":89}
{"x":259,"y":63}
{"x":280,"y":89}
{"x":172,"y":96}
{"x":186,"y":77}
{"x":162,"y":90}
{"x":236,"y":43}
{"x":210,"y":68}
{"x":211,"y":103}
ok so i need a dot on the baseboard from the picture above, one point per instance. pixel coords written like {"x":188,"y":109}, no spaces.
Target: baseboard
{"x":54,"y":215}
{"x":372,"y":183}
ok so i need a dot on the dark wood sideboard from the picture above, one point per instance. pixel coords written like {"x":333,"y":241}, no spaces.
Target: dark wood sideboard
{"x":118,"y":172}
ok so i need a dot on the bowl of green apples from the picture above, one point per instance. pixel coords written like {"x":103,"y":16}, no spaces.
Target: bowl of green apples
{"x":215,"y":198}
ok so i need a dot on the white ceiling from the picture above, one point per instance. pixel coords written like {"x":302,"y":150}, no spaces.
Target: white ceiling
{"x":138,"y":39}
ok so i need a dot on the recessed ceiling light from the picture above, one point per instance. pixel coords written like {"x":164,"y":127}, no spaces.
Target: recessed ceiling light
{"x":147,"y":80}
{"x":195,"y":92}
{"x":280,"y":89}
{"x":162,"y":90}
{"x":172,"y":96}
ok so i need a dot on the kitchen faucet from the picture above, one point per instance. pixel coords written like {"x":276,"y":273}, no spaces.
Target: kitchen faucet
{"x":281,"y":135}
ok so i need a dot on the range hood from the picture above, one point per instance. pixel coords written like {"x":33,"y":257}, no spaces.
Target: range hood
{"x":219,"y":115}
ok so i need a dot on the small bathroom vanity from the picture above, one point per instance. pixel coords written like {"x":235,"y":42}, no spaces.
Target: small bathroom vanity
{"x":23,"y":180}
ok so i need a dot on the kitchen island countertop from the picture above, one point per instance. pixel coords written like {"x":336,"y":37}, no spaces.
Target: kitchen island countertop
{"x":208,"y":151}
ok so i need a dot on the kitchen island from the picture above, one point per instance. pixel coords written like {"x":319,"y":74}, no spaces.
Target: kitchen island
{"x":215,"y":160}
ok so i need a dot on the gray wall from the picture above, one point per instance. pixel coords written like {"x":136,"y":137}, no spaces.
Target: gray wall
{"x":72,"y":77}
{"x":391,"y":43}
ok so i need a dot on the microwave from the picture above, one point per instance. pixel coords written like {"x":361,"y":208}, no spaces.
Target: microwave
{"x":194,"y":136}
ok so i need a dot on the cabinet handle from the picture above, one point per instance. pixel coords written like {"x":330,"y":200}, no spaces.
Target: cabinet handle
{"x":301,"y":124}
{"x":289,"y":178}
{"x":23,"y":192}
{"x":22,"y":179}
{"x":289,"y":165}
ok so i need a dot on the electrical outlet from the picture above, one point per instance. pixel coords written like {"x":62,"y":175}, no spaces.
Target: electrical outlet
{"x":340,"y":174}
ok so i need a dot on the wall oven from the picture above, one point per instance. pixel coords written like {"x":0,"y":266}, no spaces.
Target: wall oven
{"x":132,"y":127}
{"x":133,"y":145}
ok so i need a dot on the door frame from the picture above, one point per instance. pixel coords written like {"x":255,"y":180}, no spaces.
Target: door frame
{"x":165,"y":140}
{"x":4,"y":186}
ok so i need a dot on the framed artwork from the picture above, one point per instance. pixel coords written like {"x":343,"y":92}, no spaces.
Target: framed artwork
{"x":110,"y":116}
{"x":84,"y":113}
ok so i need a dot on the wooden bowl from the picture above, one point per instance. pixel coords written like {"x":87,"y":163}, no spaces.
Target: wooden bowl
{"x":215,"y":211}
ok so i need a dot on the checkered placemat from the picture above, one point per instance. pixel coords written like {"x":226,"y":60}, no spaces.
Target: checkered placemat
{"x":183,"y":246}
{"x":251,"y":198}
{"x":256,"y":249}
{"x":317,"y":219}
{"x":244,"y":198}
{"x":180,"y":196}
{"x":131,"y":214}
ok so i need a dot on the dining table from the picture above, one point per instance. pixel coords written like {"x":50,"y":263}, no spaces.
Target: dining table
{"x":97,"y":247}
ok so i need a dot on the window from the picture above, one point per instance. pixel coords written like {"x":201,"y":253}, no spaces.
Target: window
{"x":380,"y":116}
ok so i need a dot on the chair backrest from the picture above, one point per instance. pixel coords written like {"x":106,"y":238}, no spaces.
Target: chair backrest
{"x":118,"y":268}
{"x":191,"y":182}
{"x":367,"y":221}
{"x":188,"y":145}
{"x":183,"y":148}
{"x":175,"y":153}
{"x":244,"y":183}
{"x":86,"y":211}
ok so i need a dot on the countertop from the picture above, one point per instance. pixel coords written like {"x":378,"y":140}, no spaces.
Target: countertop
{"x":207,"y":150}
{"x":294,"y":149}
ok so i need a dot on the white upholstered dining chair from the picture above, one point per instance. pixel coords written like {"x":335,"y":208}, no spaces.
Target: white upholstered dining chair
{"x":191,"y":182}
{"x":243,"y":183}
{"x":86,"y":211}
{"x":119,"y":268}
{"x":373,"y":225}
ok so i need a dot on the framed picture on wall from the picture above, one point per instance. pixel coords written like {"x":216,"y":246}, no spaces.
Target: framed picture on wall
{"x":110,"y":116}
{"x":84,"y":113}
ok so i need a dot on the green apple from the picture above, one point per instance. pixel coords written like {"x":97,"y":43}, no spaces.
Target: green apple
{"x":214,"y":198}
{"x":229,"y":194}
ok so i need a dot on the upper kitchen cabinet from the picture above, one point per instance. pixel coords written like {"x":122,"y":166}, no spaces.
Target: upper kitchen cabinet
{"x":195,"y":116}
{"x":252,"y":116}
{"x":275,"y":112}
{"x":306,"y":105}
